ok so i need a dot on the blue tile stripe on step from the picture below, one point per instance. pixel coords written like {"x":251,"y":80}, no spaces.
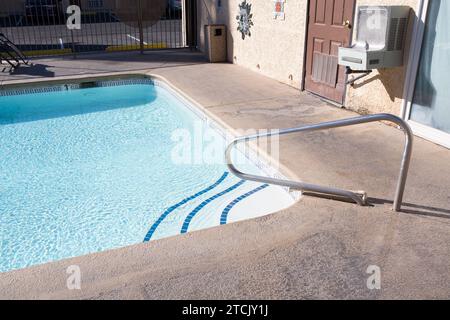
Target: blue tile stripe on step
{"x":179,"y":204}
{"x":191,"y":215}
{"x":226,"y":211}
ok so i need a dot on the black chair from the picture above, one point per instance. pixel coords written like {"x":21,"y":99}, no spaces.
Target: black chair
{"x":10,"y":53}
{"x":5,"y":55}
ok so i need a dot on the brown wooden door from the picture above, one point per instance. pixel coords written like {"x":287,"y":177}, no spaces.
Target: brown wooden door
{"x":326,"y":33}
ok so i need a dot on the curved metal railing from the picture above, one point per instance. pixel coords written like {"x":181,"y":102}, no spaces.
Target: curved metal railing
{"x":357,"y":196}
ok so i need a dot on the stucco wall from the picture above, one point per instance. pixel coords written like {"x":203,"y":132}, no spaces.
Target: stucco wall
{"x":382,"y":91}
{"x":275,"y":47}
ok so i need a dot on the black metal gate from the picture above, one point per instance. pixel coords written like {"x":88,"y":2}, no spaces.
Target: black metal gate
{"x":40,"y":27}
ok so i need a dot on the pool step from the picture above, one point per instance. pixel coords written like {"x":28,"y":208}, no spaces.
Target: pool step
{"x":181,"y":203}
{"x":212,"y":206}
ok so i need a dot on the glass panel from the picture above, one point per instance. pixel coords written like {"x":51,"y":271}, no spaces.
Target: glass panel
{"x":431,"y":102}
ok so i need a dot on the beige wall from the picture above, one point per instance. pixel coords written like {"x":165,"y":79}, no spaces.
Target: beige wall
{"x":275,"y":48}
{"x":278,"y":48}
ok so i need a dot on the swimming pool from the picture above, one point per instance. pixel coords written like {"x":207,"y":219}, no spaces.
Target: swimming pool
{"x":99,"y":165}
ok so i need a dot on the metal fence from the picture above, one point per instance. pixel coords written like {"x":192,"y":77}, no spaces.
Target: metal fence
{"x":39,"y":27}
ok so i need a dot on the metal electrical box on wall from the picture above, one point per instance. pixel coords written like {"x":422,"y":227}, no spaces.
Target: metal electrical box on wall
{"x":216,"y":43}
{"x":380,"y":39}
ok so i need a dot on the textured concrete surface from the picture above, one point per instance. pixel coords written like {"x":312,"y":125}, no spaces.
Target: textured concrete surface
{"x":84,"y":64}
{"x":318,"y":248}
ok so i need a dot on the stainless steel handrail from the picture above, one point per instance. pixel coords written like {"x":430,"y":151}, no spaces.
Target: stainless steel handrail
{"x":358,"y":197}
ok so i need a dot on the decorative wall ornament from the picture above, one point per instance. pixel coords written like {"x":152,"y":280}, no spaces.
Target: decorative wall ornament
{"x":278,"y":11}
{"x":244,"y":19}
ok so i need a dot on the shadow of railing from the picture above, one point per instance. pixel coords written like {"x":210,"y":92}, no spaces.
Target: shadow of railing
{"x":416,"y":209}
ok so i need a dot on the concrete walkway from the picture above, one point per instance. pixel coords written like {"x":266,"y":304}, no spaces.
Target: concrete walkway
{"x":318,"y":248}
{"x":53,"y":67}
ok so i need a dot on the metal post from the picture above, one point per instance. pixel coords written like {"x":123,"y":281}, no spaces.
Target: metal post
{"x":141,"y":27}
{"x":73,"y":44}
{"x":191,"y":23}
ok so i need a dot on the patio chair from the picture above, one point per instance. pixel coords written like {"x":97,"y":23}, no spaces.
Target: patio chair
{"x":11,"y":53}
{"x":6,"y":56}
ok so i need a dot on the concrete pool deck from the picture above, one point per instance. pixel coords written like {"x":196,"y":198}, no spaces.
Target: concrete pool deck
{"x":316,"y":249}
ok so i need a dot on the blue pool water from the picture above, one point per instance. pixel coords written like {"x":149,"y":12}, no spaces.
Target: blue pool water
{"x":88,"y":170}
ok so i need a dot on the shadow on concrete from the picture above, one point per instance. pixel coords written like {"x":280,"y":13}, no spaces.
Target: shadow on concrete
{"x":416,"y":209}
{"x":162,"y":55}
{"x":409,"y":208}
{"x":35,"y":70}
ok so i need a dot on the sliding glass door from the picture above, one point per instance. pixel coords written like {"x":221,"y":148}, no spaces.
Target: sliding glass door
{"x":429,"y":106}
